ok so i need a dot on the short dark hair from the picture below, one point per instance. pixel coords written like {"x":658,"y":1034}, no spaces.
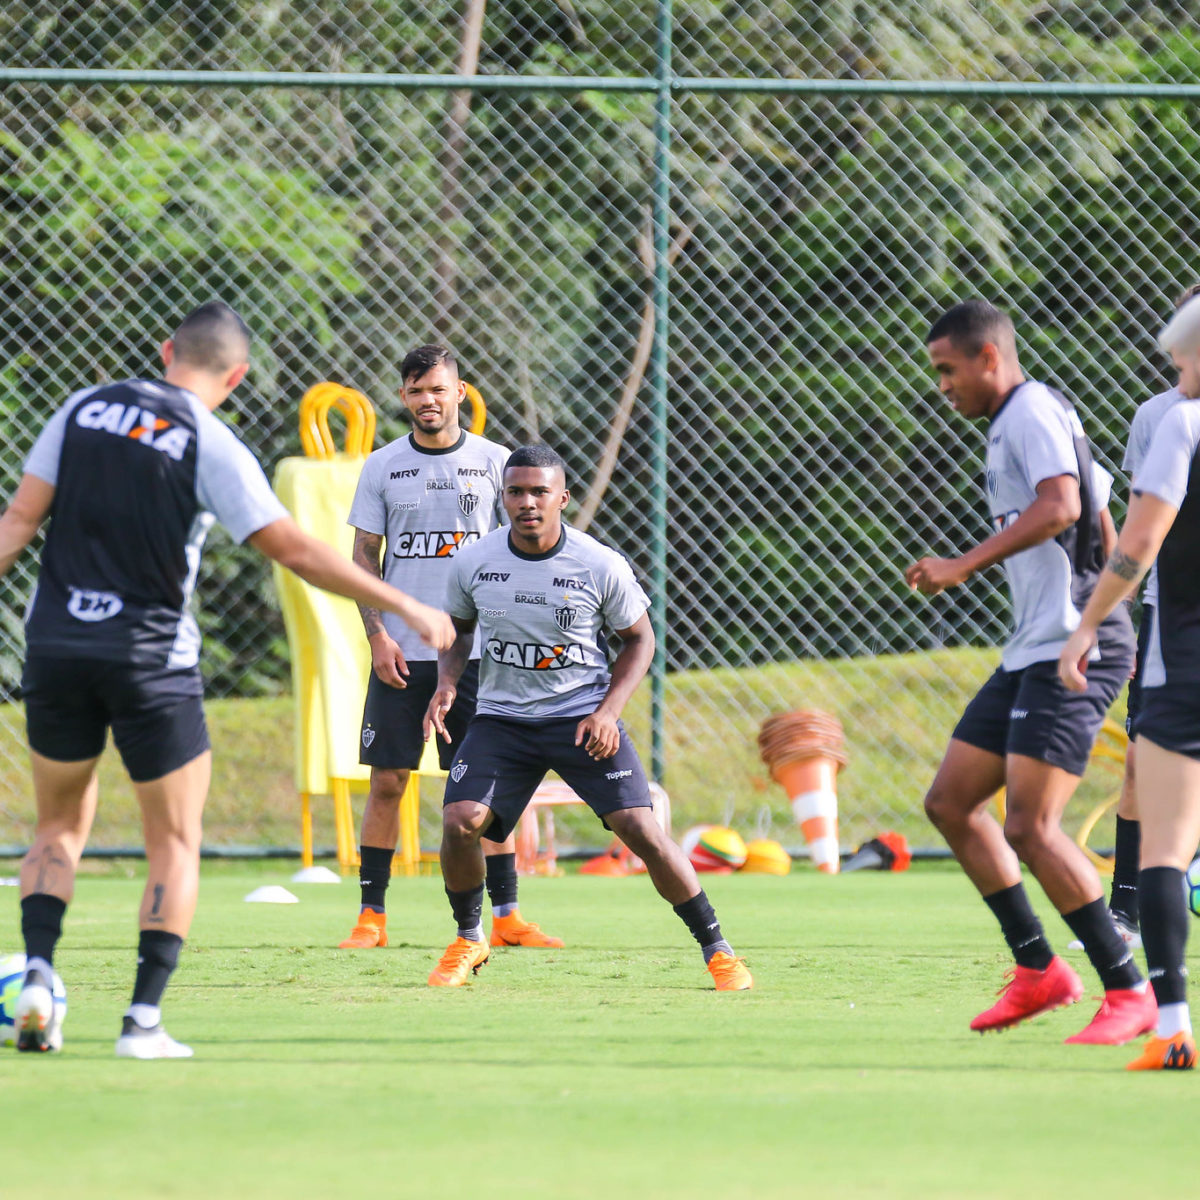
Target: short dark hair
{"x":972,"y":324}
{"x":422,"y":359}
{"x":212,"y":338}
{"x":537,"y":455}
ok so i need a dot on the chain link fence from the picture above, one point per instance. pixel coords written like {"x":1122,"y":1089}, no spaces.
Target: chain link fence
{"x":812,"y":238}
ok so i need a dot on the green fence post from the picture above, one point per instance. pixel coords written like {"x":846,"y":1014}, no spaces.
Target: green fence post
{"x":658,"y":384}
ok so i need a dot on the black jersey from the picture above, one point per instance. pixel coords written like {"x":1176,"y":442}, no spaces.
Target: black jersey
{"x":139,"y":469}
{"x":1171,"y":471}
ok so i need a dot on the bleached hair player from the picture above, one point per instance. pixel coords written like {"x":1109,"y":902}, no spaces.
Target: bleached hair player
{"x":1163,"y":526}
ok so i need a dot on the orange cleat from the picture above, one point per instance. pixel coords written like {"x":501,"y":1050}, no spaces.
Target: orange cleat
{"x":1028,"y":993}
{"x":1124,"y":1015}
{"x":371,"y":930}
{"x":514,"y":930}
{"x":1166,"y":1054}
{"x":729,"y":974}
{"x":461,"y":958}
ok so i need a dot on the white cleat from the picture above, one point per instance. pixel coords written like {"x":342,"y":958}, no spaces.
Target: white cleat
{"x":1129,"y":934}
{"x":1132,"y":937}
{"x":36,"y":1021}
{"x":136,"y":1042}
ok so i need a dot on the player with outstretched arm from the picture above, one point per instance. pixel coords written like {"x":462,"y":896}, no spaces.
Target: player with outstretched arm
{"x":132,"y":476}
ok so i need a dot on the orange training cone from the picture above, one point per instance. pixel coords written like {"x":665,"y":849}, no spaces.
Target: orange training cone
{"x":804,"y":751}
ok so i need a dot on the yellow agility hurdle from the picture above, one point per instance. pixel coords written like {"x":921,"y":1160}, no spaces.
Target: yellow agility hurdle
{"x":330,"y":656}
{"x":331,"y":659}
{"x":1112,"y":743}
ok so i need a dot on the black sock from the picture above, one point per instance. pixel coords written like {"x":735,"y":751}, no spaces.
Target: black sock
{"x":1124,"y":898}
{"x":1164,"y":932}
{"x":41,"y":924}
{"x":1022,"y":930}
{"x":467,"y":907}
{"x":374,"y":872}
{"x":158,"y":954}
{"x":1093,"y":926}
{"x":501,"y":878}
{"x":697,"y":914}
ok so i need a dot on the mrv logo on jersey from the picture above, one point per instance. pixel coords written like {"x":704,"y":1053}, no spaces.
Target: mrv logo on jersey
{"x":438,"y":543}
{"x":533,"y":656}
{"x":139,"y":424}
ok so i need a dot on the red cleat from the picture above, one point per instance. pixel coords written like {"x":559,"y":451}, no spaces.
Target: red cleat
{"x":1029,"y":993}
{"x":1124,"y":1015}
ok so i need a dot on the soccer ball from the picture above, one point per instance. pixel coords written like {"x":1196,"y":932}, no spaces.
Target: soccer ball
{"x":12,"y":975}
{"x":718,"y":849}
{"x":1191,"y":886}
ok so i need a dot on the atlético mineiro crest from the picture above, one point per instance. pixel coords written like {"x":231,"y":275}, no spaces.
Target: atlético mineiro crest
{"x":458,"y":771}
{"x":368,"y":735}
{"x":468,"y":502}
{"x":564,"y":617}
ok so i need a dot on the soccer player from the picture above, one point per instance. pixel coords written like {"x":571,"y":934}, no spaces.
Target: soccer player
{"x":1163,"y":524}
{"x":1124,"y":897}
{"x":546,"y":598}
{"x":132,"y":475}
{"x":428,"y":494}
{"x":1023,"y":731}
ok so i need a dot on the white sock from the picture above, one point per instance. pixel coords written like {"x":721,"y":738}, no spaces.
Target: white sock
{"x":41,"y":965}
{"x":145,"y":1015}
{"x":1173,"y":1019}
{"x":472,"y":935}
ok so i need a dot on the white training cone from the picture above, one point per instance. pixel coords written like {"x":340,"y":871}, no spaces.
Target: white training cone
{"x":316,"y":875}
{"x":271,"y":893}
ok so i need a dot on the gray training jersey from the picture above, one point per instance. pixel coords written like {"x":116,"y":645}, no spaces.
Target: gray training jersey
{"x":428,"y":505}
{"x":1035,"y":436}
{"x":1171,"y":471}
{"x":1141,"y":432}
{"x":542,"y":620}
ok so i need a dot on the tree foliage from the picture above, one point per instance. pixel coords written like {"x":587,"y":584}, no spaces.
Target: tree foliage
{"x":808,"y":456}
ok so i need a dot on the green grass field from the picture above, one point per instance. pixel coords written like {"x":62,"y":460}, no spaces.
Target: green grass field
{"x":606,"y":1069}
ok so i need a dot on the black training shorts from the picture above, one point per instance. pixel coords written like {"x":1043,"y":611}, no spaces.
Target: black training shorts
{"x":1031,"y":712}
{"x":501,"y":763}
{"x":156,"y":713}
{"x":391,"y":736}
{"x":1170,"y":717}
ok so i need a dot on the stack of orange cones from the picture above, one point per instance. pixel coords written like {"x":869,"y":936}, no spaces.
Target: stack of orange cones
{"x":804,"y":750}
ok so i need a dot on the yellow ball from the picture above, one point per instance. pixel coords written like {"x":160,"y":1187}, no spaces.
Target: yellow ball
{"x":765,"y":857}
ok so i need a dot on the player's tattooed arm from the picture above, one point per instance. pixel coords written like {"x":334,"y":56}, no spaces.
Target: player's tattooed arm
{"x":367,"y":549}
{"x":1125,"y":567}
